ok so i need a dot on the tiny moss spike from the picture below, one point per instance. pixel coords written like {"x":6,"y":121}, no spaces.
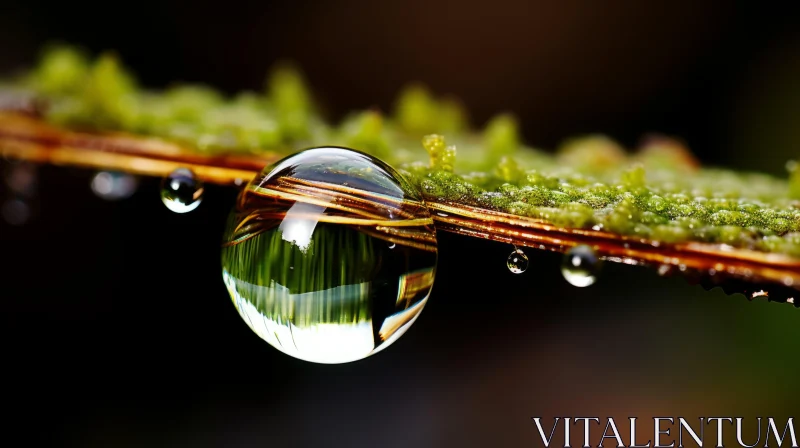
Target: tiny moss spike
{"x":508,"y":170}
{"x":62,"y":70}
{"x":108,"y":78}
{"x":416,"y":110}
{"x":290,"y":95}
{"x":658,"y":151}
{"x":452,"y":116}
{"x":634,"y":177}
{"x":591,"y":153}
{"x":442,"y":157}
{"x":501,"y":137}
{"x":190,"y":102}
{"x":365,"y":132}
{"x":106,"y":97}
{"x":794,"y":178}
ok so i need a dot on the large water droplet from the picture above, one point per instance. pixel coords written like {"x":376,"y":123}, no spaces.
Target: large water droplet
{"x":329,"y":255}
{"x":113,"y":186}
{"x":581,"y":266}
{"x":181,"y":191}
{"x":517,"y":262}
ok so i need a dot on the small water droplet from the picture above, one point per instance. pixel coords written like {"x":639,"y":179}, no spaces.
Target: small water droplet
{"x":181,"y":191}
{"x":16,"y":212}
{"x":113,"y":186}
{"x":392,"y":245}
{"x":517,"y":262}
{"x":760,"y":293}
{"x":664,"y":269}
{"x":790,"y":300}
{"x":581,"y":266}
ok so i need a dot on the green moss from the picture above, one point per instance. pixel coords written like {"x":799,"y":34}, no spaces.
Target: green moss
{"x":658,"y":192}
{"x":794,"y":179}
{"x":287,"y":90}
{"x":365,"y":132}
{"x":633,"y":177}
{"x":501,"y":137}
{"x":442,"y":157}
{"x":418,"y":112}
{"x":61,"y":71}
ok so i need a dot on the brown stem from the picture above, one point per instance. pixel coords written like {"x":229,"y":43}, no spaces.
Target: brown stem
{"x":25,"y":137}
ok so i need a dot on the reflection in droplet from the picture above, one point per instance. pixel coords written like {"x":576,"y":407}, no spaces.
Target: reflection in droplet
{"x":328,"y":272}
{"x":113,"y":186}
{"x":581,"y":266}
{"x":181,"y":191}
{"x":16,"y":212}
{"x":517,"y":262}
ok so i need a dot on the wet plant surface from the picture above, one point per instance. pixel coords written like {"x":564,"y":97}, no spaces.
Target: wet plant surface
{"x":149,"y":350}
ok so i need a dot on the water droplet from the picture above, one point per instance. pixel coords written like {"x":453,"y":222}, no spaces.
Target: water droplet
{"x":350,"y":294}
{"x":581,"y":266}
{"x":16,"y":212}
{"x":113,"y":186}
{"x":181,"y":191}
{"x":517,"y":262}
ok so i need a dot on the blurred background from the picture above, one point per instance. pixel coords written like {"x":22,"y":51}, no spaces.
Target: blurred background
{"x":118,"y":331}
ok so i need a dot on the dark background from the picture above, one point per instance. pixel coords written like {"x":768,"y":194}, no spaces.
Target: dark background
{"x":118,"y":331}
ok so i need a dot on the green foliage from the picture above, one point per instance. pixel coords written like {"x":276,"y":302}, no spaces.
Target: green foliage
{"x":418,"y":112}
{"x":62,"y":70}
{"x":659,"y":192}
{"x":364,"y":131}
{"x":287,"y":90}
{"x":794,"y":179}
{"x":501,"y":136}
